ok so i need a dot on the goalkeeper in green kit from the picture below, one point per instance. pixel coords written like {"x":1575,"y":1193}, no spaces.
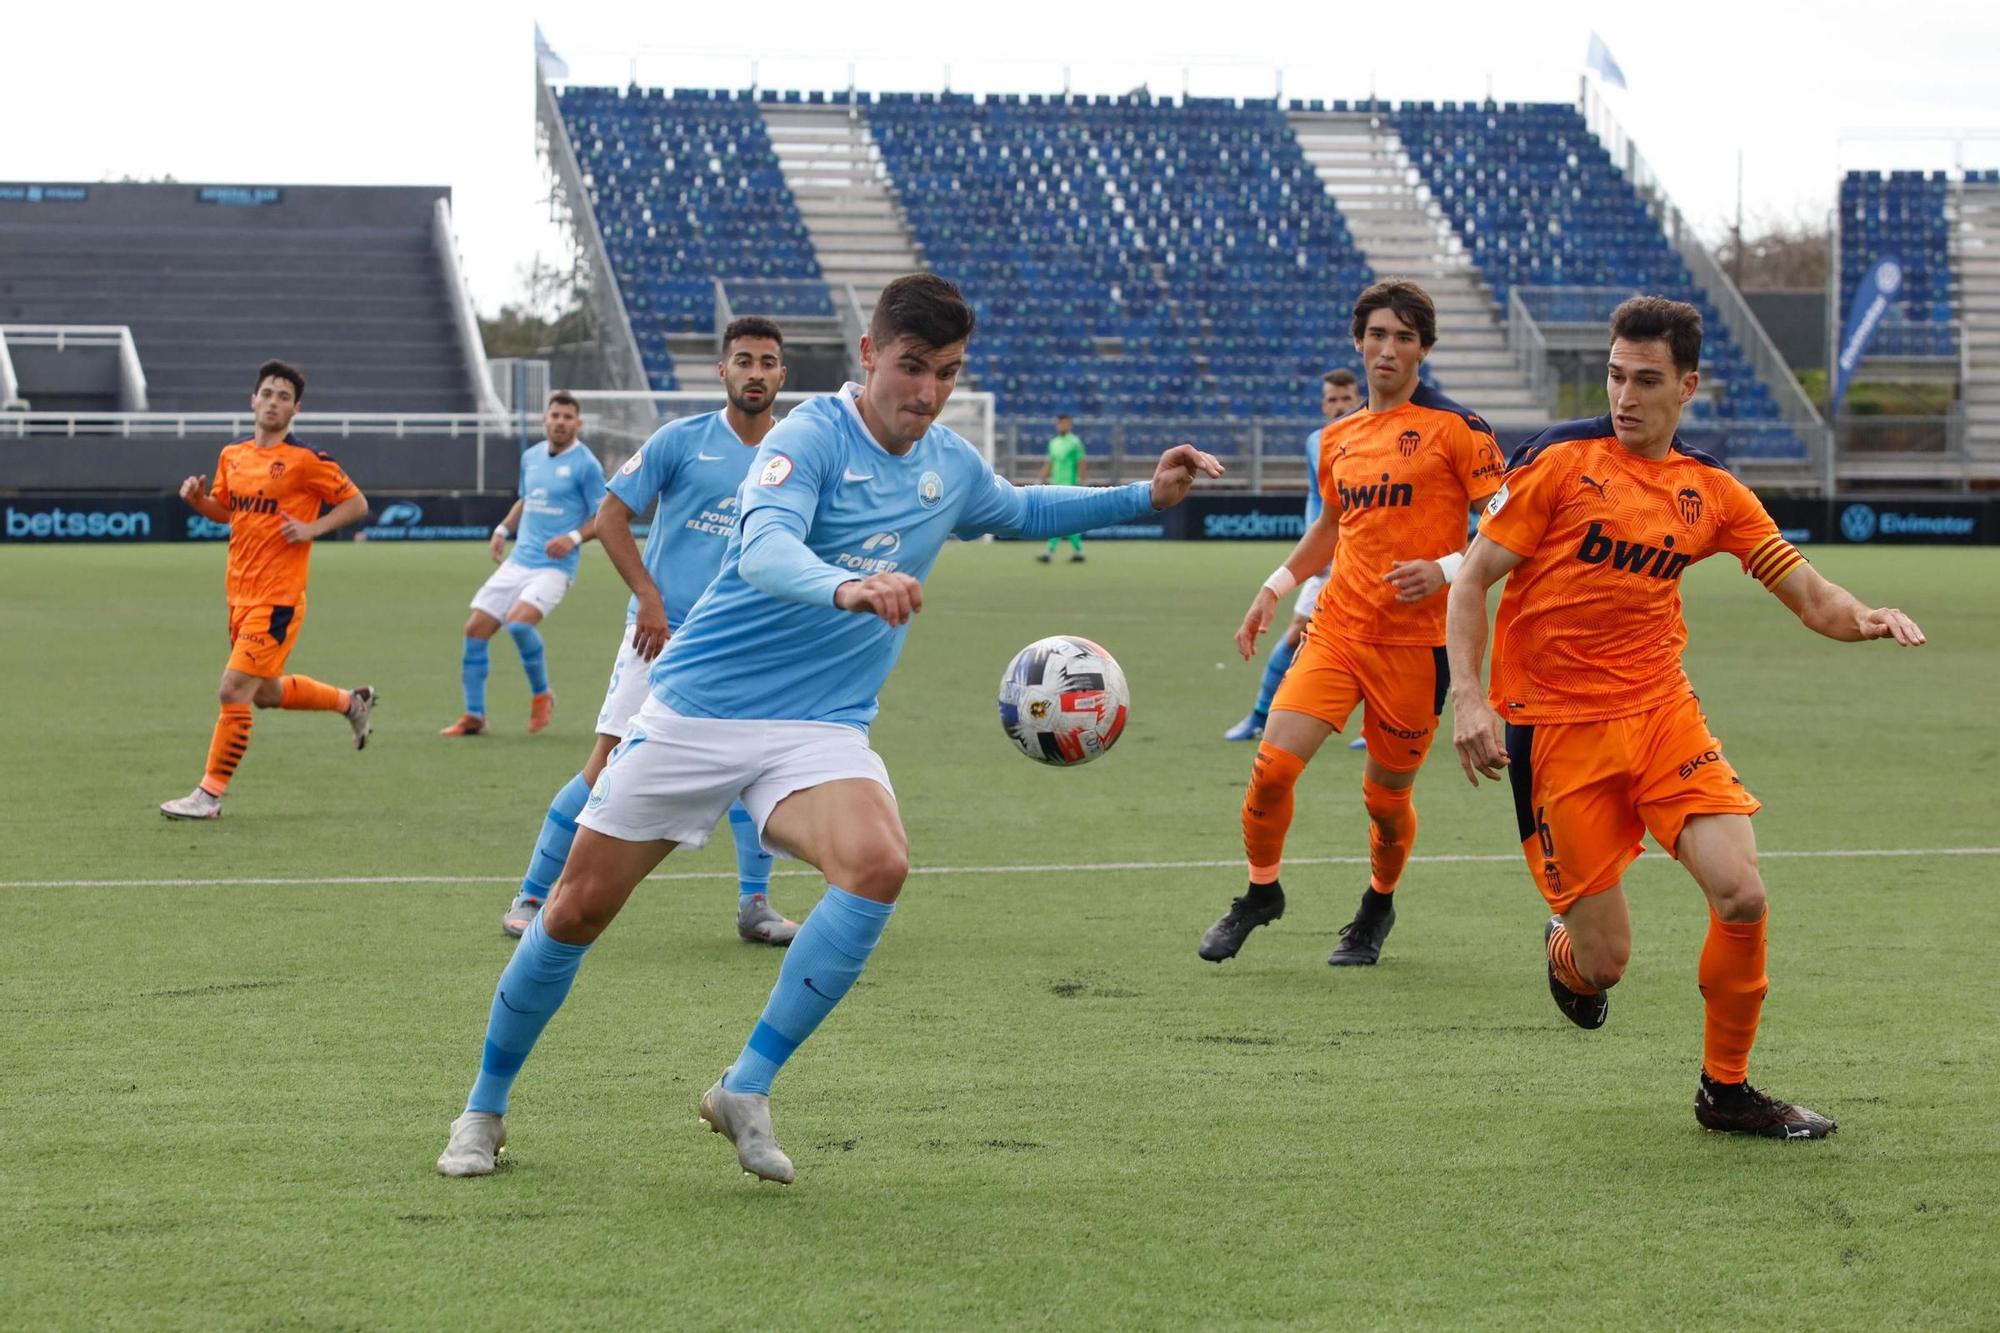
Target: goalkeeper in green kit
{"x":1064,"y":468}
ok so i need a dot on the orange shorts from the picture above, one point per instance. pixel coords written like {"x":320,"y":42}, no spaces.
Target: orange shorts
{"x":1404,"y":688}
{"x":261,"y":638}
{"x":1585,"y":793}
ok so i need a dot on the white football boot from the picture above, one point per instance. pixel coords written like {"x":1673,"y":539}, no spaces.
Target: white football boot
{"x":476,"y":1139}
{"x":197,"y":804}
{"x":744,"y":1118}
{"x":360,"y":703}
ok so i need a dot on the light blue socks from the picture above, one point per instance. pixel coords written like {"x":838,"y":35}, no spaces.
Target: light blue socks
{"x":822,"y":963}
{"x":753,"y":863}
{"x":532,"y":988}
{"x":558,"y":832}
{"x":472,"y":671}
{"x":1282,"y":654}
{"x":529,"y":640}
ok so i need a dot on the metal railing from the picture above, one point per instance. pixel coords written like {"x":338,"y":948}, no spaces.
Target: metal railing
{"x":1934,"y":437}
{"x":62,"y":337}
{"x":1530,"y":346}
{"x":1260,"y":453}
{"x":623,"y":366}
{"x":182,"y":425}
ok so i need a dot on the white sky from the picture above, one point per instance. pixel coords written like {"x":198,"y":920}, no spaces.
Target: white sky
{"x":420,"y":93}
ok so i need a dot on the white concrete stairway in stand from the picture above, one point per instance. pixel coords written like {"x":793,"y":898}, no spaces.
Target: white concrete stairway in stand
{"x":1979,"y":308}
{"x":1403,"y":234}
{"x":835,"y":172}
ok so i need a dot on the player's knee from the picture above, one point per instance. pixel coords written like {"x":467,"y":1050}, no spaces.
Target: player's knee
{"x":269,"y":694}
{"x":1603,"y":967}
{"x":574,"y":915}
{"x":877,"y":872}
{"x":1739,"y":896}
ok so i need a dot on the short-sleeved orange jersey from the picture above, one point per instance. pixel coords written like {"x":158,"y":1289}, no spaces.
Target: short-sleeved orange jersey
{"x":1590,"y":625}
{"x":1402,"y":482}
{"x":259,"y":487}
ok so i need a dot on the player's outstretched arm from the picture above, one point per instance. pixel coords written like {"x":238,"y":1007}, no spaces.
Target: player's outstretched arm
{"x":1825,"y":607}
{"x":1476,"y":730}
{"x":1176,"y":472}
{"x":613,"y":527}
{"x":1311,"y":556}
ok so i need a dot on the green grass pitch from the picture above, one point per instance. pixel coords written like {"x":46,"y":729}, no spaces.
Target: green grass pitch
{"x":221,"y":1099}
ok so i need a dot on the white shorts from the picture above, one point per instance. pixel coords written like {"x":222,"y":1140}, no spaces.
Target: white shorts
{"x":673,"y":777}
{"x":1302,"y":609}
{"x":627,"y":689}
{"x":512,"y":582}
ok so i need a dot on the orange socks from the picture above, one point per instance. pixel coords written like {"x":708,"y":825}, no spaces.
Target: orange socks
{"x":226,"y":747}
{"x":1562,"y":957}
{"x":1392,"y":830}
{"x":1267,"y":810}
{"x":317,"y":696}
{"x":1732,"y":991}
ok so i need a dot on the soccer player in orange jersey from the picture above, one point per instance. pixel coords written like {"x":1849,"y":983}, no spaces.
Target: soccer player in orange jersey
{"x":1603,"y":739}
{"x":269,"y":489}
{"x":1396,"y":481}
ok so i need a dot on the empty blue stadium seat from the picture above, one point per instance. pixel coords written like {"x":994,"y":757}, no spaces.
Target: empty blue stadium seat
{"x":687,"y":190}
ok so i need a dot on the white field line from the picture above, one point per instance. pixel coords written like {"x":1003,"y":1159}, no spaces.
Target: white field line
{"x":1082,"y":867}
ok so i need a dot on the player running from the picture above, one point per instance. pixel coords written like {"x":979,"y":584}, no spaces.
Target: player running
{"x":1397,"y":481}
{"x":269,"y":490}
{"x":1065,"y":466}
{"x":1604,"y":740}
{"x":1338,"y":395}
{"x":560,"y":488}
{"x":693,"y":468}
{"x":767,"y":691}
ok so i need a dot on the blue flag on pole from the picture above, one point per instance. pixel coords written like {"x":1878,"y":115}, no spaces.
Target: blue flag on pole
{"x":1873,"y":300}
{"x":1598,"y":60}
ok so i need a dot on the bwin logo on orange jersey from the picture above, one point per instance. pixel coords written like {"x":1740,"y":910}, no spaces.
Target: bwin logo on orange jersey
{"x":253,"y":504}
{"x":1658,"y":562}
{"x":1380,"y":496}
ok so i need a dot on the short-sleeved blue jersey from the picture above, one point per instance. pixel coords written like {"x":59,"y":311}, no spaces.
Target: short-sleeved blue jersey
{"x":558,"y":492}
{"x":694,"y":467}
{"x":744,"y":653}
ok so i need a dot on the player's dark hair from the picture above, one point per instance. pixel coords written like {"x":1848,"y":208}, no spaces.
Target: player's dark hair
{"x":923,"y":307}
{"x":567,"y":399}
{"x":1656,"y":319}
{"x":1064,"y":416}
{"x":1340,"y":379}
{"x":752,"y":326}
{"x":282,"y":370}
{"x":1409,"y":302}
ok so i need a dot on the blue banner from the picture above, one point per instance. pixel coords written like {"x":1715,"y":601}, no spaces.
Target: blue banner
{"x":1873,"y":300}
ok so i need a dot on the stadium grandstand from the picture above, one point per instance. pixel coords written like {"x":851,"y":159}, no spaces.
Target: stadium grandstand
{"x":135,"y":314}
{"x":1156,"y":264}
{"x":1942,"y":228}
{"x":1150,"y":265}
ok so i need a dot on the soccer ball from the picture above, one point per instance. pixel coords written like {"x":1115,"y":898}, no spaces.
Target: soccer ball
{"x":1063,"y":700}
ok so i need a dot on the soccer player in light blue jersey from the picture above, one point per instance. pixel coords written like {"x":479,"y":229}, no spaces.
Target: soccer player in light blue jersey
{"x":693,"y":468}
{"x":1339,"y":394}
{"x":766,"y":693}
{"x":561,"y":487}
